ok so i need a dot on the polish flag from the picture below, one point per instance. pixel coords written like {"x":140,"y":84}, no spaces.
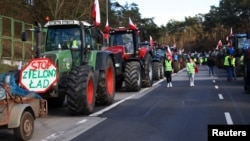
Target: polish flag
{"x":151,"y":41}
{"x":106,"y":30}
{"x":96,"y":13}
{"x":169,"y":53}
{"x":219,"y":45}
{"x":231,"y":32}
{"x":132,"y":25}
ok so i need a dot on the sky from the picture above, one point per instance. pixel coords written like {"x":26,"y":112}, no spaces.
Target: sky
{"x":165,"y":10}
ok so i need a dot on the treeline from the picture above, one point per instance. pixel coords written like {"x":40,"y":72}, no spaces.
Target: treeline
{"x":200,"y":33}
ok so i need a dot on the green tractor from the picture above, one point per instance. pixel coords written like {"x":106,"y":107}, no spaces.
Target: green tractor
{"x":86,"y":74}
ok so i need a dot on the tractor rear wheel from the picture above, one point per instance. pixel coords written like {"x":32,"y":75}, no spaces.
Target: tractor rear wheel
{"x":106,"y":85}
{"x":156,"y":70}
{"x":147,"y":80}
{"x":132,"y":76}
{"x":81,"y":90}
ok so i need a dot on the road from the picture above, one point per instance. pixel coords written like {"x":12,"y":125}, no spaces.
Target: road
{"x":153,"y":114}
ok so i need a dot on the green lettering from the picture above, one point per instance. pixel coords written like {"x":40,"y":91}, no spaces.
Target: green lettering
{"x":24,"y":75}
{"x":45,"y":73}
{"x":45,"y":83}
{"x":31,"y":84}
{"x":34,"y":74}
{"x":39,"y":84}
{"x":40,"y":74}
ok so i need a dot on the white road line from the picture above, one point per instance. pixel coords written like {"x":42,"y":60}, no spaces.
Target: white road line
{"x":82,"y":121}
{"x":214,"y":81}
{"x":110,"y":107}
{"x":221,"y":96}
{"x":216,"y":87}
{"x":228,"y":118}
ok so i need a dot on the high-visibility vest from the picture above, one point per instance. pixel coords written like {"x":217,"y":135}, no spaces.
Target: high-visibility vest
{"x":226,"y":63}
{"x":242,"y":59}
{"x":233,"y":61}
{"x":190,"y":67}
{"x":168,"y":65}
{"x":74,"y":44}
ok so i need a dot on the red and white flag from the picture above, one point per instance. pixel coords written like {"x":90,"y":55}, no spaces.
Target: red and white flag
{"x":169,"y":53}
{"x":106,"y":30}
{"x":219,"y":43}
{"x":231,"y":32}
{"x":151,"y":41}
{"x":96,"y":13}
{"x":132,"y":25}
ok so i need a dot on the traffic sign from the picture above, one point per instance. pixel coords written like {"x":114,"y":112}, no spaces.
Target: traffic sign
{"x":39,"y":75}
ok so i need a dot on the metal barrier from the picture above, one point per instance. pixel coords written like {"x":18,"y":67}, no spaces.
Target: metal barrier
{"x":11,"y":46}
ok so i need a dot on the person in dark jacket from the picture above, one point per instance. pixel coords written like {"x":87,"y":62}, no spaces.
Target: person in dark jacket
{"x":210,"y":63}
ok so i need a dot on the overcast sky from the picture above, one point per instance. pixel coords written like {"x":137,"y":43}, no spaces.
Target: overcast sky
{"x":164,"y":10}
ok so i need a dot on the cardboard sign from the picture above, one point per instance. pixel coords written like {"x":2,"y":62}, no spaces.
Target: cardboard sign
{"x":39,"y":75}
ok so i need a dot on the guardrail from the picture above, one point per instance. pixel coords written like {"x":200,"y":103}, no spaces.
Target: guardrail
{"x":11,"y":46}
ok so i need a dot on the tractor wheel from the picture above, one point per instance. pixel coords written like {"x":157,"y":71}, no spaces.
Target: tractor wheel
{"x":176,"y":66}
{"x":106,"y":85}
{"x":161,"y":69}
{"x":132,"y":76}
{"x":156,"y":70}
{"x":26,"y":128}
{"x":81,"y":90}
{"x":147,"y":80}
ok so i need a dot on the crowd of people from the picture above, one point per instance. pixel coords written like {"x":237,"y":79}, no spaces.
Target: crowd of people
{"x":229,"y":63}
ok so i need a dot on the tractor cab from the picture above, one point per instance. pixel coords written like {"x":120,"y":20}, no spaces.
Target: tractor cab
{"x":125,"y":41}
{"x":71,"y":37}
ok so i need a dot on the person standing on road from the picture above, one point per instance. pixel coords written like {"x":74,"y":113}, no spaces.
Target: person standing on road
{"x":191,"y":71}
{"x":228,"y":66}
{"x":168,"y":69}
{"x":233,"y":67}
{"x":242,"y":63}
{"x":210,"y":63}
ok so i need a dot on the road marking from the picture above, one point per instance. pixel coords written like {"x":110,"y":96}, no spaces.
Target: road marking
{"x":110,"y":107}
{"x":220,"y":96}
{"x":53,"y":136}
{"x":228,"y":118}
{"x":216,"y":87}
{"x":214,"y":81}
{"x":82,"y":121}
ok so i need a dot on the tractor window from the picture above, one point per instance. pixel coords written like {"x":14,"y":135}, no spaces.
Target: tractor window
{"x":241,"y":42}
{"x":125,"y":39}
{"x":62,"y":38}
{"x":88,"y":39}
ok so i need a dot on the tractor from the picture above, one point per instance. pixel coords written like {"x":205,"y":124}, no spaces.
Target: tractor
{"x":133,"y":64}
{"x":86,"y":74}
{"x":158,"y":53}
{"x":246,"y":53}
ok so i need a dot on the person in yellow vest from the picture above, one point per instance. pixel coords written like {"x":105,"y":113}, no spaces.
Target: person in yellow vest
{"x":228,"y":66}
{"x":168,"y":69}
{"x":191,"y":71}
{"x":242,"y":62}
{"x":233,"y":67}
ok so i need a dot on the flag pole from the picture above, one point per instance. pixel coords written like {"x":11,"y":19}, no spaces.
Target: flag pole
{"x":107,"y":17}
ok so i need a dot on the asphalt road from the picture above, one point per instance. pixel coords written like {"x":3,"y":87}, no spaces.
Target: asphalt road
{"x":153,"y":114}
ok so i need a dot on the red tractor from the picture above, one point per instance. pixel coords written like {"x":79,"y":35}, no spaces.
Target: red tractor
{"x":133,"y":64}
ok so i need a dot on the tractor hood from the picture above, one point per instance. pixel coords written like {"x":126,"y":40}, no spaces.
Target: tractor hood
{"x":62,"y":57}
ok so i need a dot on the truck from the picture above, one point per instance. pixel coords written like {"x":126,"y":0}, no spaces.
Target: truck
{"x":85,"y":73}
{"x":133,"y":63}
{"x":19,"y":108}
